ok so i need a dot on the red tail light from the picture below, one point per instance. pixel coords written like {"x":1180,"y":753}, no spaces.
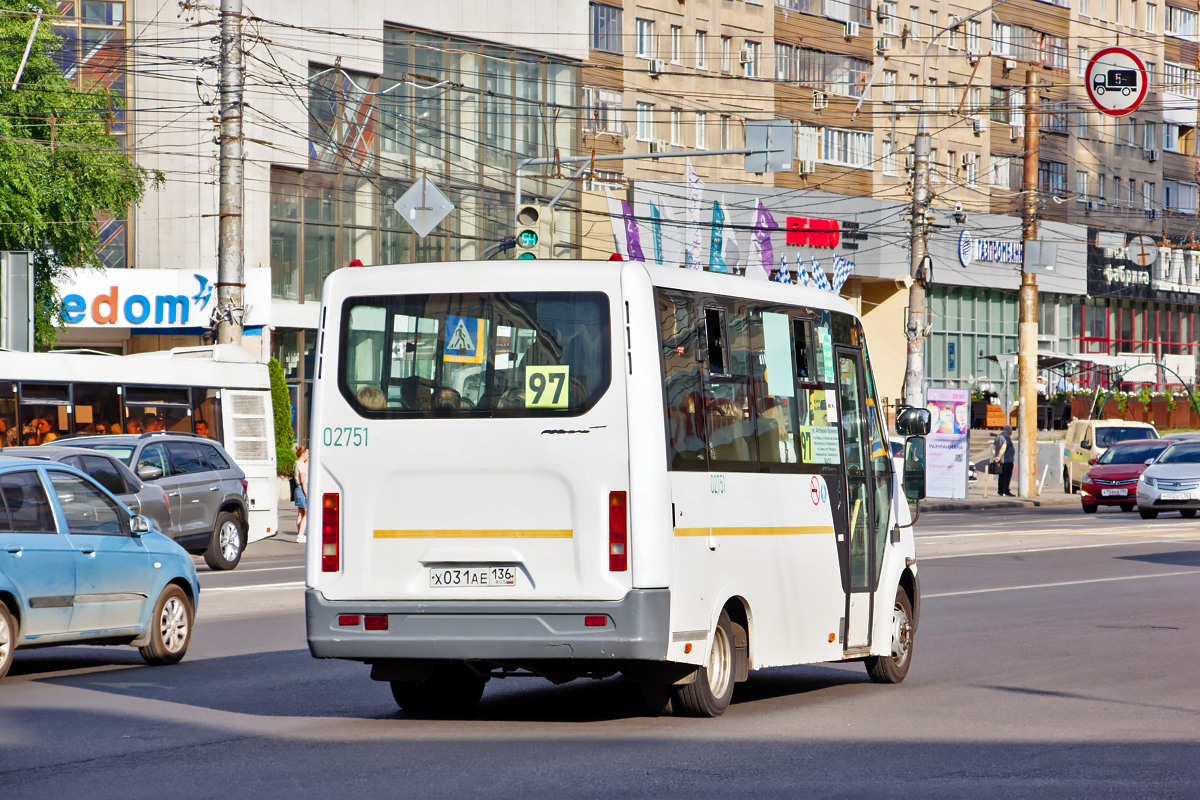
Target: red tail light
{"x":330,"y":528}
{"x":245,"y":485}
{"x":618,"y":533}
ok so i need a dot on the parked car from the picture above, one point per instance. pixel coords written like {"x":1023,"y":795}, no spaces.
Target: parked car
{"x":1171,"y":482}
{"x":146,"y":499}
{"x":1112,"y":481}
{"x":207,"y":491}
{"x":1089,"y":438}
{"x":78,"y":567}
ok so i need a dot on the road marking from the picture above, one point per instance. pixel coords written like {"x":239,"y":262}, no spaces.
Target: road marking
{"x":257,"y":569}
{"x":1123,"y":531}
{"x":1062,"y":583}
{"x":258,"y":586}
{"x":1047,"y":549}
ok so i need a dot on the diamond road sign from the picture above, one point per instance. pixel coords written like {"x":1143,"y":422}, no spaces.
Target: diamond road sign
{"x":424,"y":206}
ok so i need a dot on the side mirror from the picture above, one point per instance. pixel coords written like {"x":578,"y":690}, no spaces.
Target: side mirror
{"x":1092,"y":461}
{"x":1148,"y":461}
{"x":1086,"y":444}
{"x":139,"y":526}
{"x":912,"y":421}
{"x":914,"y":467}
{"x":149,"y":472}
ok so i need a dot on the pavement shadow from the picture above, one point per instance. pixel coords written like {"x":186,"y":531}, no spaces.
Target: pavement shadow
{"x":1181,"y":558}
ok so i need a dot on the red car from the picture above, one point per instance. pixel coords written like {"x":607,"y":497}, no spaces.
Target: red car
{"x":1112,"y":480}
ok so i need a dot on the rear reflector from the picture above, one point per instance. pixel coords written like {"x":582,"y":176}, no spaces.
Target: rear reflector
{"x":349,"y":619}
{"x":330,"y":528}
{"x":595,"y":622}
{"x":618,"y":533}
{"x":375,"y":622}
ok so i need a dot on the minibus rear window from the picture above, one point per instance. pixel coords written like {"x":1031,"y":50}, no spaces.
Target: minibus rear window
{"x":502,"y":354}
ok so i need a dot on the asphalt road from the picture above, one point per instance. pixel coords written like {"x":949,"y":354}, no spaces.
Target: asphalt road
{"x":1056,"y":657}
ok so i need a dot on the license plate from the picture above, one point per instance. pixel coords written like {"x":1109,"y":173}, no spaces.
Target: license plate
{"x":1113,"y":492}
{"x":458,"y":577}
{"x":1175,"y":496}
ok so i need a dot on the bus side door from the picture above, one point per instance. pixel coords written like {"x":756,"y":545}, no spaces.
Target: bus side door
{"x":860,"y":505}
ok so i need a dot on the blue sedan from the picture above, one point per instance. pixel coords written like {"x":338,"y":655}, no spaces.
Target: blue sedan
{"x":78,"y":567}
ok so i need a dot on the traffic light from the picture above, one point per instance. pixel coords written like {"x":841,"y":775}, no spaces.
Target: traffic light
{"x":535,"y":232}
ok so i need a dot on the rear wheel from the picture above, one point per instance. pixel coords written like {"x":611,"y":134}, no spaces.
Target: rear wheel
{"x":1188,"y":512}
{"x":454,"y":690}
{"x":170,"y":628}
{"x":1128,"y":506}
{"x":1089,"y":508}
{"x":1147,"y":513}
{"x":893,"y":668}
{"x":227,"y":542}
{"x":8,"y":639}
{"x":709,"y":694}
{"x":1067,"y":487}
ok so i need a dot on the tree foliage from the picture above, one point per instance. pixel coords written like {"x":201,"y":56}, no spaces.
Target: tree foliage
{"x":285,"y":437}
{"x":59,"y":165}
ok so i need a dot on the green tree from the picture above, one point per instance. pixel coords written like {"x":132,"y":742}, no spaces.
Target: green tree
{"x":285,"y":437}
{"x":59,"y":165}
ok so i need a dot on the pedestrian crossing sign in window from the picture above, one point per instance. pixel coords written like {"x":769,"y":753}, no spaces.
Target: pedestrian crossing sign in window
{"x":462,"y":340}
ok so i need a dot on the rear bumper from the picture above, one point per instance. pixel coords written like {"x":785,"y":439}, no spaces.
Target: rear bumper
{"x":637,"y":628}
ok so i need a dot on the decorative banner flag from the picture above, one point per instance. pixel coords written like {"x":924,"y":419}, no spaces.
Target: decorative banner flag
{"x":633,"y":239}
{"x":802,"y":273}
{"x":842,"y":267}
{"x":732,"y":251}
{"x":692,"y":243}
{"x":616,"y":218}
{"x":656,"y":232}
{"x":760,"y":238}
{"x":716,"y":244}
{"x":787,"y":275}
{"x":819,"y":278}
{"x":778,"y":276}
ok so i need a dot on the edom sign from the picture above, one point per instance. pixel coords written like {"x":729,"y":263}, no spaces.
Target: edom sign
{"x":1115,"y":80}
{"x":150,"y":298}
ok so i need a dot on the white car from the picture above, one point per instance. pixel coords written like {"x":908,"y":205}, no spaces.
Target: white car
{"x":1171,"y":482}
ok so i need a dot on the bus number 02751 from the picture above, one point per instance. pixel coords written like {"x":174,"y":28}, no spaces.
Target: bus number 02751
{"x":344,"y":437}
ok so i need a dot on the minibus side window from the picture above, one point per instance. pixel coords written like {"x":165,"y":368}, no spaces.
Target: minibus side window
{"x":727,"y":401}
{"x":801,"y":336}
{"x":774,"y":390}
{"x":686,"y":444}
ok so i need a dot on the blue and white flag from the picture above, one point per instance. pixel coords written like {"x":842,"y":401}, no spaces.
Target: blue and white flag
{"x":842,"y":267}
{"x":716,"y":241}
{"x":819,"y":278}
{"x":778,"y":275}
{"x":787,"y":275}
{"x":802,"y":273}
{"x":656,"y":231}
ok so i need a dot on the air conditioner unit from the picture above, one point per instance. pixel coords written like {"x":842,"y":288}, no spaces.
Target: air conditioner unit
{"x":746,"y":55}
{"x":850,"y":30}
{"x":978,"y":124}
{"x":881,"y":13}
{"x":1017,"y":133}
{"x":807,"y":167}
{"x":657,"y":67}
{"x":883,"y":45}
{"x":968,"y":159}
{"x":1152,"y":213}
{"x":658,"y":145}
{"x":1152,"y":155}
{"x":820,"y":101}
{"x":1009,"y":64}
{"x":1091,"y":205}
{"x":973,"y":56}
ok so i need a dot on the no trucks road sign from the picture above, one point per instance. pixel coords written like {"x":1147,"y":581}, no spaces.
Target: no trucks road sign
{"x":1116,"y":81}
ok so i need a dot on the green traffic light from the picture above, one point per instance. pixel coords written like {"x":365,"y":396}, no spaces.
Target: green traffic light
{"x":527,"y":239}
{"x":526,"y":255}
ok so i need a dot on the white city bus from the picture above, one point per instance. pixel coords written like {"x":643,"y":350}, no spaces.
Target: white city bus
{"x":217,"y":391}
{"x":572,"y":469}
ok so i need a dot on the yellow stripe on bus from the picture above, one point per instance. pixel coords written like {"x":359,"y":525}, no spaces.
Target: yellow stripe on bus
{"x":761,"y":531}
{"x":474,"y":534}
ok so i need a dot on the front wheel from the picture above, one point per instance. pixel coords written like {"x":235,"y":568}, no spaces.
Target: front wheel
{"x":893,"y":668}
{"x":1188,"y":512}
{"x":1147,"y":513}
{"x":8,"y":638}
{"x":227,"y":543}
{"x":170,"y":628}
{"x":709,"y":694}
{"x":1089,"y":508}
{"x":454,"y":690}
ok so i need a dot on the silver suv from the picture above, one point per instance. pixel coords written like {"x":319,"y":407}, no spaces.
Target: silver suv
{"x":207,"y":491}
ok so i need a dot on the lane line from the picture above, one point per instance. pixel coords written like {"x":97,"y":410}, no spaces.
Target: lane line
{"x":921,"y":558}
{"x":257,"y":569}
{"x":1113,"y":531}
{"x":257,"y":586}
{"x":1061,"y":583}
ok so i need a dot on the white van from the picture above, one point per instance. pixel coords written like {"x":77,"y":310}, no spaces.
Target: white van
{"x":677,"y":475}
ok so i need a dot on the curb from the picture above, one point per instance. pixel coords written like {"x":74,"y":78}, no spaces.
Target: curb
{"x":985,"y":505}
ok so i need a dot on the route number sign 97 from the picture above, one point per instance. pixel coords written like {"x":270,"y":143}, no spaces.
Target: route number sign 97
{"x":1116,"y":81}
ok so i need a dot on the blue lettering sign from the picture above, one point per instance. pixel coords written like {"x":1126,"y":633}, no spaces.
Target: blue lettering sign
{"x":170,"y":306}
{"x":74,"y":307}
{"x":137,"y":318}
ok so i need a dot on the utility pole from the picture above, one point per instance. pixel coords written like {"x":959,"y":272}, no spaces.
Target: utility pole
{"x":914,"y":372}
{"x":231,"y":282}
{"x":1027,"y":326}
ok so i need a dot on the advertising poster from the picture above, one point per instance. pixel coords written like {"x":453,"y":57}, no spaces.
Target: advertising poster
{"x":948,"y":443}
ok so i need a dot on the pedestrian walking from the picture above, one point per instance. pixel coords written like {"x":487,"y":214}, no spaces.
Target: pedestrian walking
{"x":1004,"y":454}
{"x":300,"y":476}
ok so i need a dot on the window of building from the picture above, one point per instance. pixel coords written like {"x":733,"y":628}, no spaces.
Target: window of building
{"x":1151,"y":18}
{"x":803,"y":6}
{"x":726,"y":141}
{"x":971,"y":169}
{"x":701,"y":50}
{"x":1117,"y":11}
{"x":645,"y":122}
{"x":1133,"y":15}
{"x":726,"y":44}
{"x":914,"y":22}
{"x":1081,"y":59}
{"x":847,"y":147}
{"x":1116,"y":192}
{"x":1131,"y":133}
{"x":1179,"y":198}
{"x":1083,"y":8}
{"x":827,"y":72}
{"x":1081,"y":124}
{"x":676,"y":44}
{"x":1148,"y":135}
{"x":1081,"y":185}
{"x":701,"y":126}
{"x":933,"y":25}
{"x":1052,"y":177}
{"x":1100,"y":193}
{"x":601,"y":110}
{"x":1181,"y":80}
{"x":890,"y":25}
{"x":676,"y":126}
{"x":644,"y":38}
{"x":1133,"y":193}
{"x":974,"y":100}
{"x":606,"y":28}
{"x":1181,"y":23}
{"x":600,"y":179}
{"x":1054,"y":116}
{"x":887,"y":86}
{"x":999,"y":104}
{"x":750,"y":56}
{"x":888,"y":158}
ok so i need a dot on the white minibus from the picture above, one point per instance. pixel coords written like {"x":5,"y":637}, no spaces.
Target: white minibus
{"x":572,"y":469}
